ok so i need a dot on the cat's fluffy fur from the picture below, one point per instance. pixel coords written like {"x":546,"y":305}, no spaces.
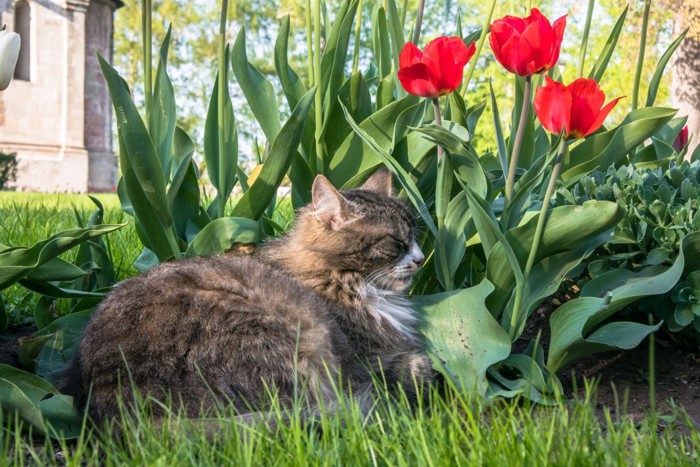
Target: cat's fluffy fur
{"x":317,"y":306}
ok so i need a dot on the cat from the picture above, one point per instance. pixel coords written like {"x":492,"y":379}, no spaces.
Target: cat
{"x":320,"y":305}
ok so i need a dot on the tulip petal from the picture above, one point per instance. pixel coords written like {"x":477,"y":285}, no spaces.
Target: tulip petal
{"x":417,"y":80}
{"x":516,"y":56}
{"x":586,"y":101}
{"x":410,"y":55}
{"x":445,"y":58}
{"x":598,"y":122}
{"x":552,"y":105}
{"x":558,"y":28}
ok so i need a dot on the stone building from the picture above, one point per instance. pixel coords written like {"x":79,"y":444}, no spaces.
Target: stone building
{"x":57,"y":115}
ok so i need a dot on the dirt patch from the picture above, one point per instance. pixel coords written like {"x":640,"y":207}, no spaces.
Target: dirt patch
{"x":623,"y":379}
{"x":8,"y":343}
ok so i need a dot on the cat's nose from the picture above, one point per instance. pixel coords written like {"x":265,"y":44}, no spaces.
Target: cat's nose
{"x":417,"y":256}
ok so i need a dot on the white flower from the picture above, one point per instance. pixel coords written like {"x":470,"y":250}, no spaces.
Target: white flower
{"x":9,"y":51}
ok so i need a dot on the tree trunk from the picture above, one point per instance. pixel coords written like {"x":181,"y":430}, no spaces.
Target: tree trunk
{"x":685,"y":86}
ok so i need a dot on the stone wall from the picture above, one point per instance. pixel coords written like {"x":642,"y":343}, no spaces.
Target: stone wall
{"x":59,"y":121}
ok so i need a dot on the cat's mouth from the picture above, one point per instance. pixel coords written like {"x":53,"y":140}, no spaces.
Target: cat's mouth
{"x":397,"y":281}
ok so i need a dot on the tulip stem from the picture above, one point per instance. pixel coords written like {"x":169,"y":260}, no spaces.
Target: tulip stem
{"x":517,"y":142}
{"x":640,"y":57}
{"x":419,"y":22}
{"x":438,"y":122}
{"x":479,"y":46}
{"x":356,"y":50}
{"x":514,"y":329}
{"x":221,"y":93}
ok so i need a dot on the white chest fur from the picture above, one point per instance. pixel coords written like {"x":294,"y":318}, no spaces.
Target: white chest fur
{"x":388,"y":307}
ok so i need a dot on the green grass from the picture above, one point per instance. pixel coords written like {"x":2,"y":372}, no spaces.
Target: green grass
{"x":454,"y":431}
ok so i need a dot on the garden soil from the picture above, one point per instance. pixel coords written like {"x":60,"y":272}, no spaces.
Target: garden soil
{"x":623,"y":377}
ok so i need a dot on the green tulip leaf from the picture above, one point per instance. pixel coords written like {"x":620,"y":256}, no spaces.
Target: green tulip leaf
{"x":17,"y":263}
{"x":284,"y":148}
{"x":38,"y":403}
{"x":219,"y":235}
{"x":141,"y":170}
{"x":465,"y":338}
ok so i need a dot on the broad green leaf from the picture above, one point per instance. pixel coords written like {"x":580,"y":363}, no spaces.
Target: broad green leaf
{"x":356,"y":98}
{"x":443,"y":192}
{"x":221,"y":173}
{"x":38,"y":404}
{"x":17,"y":263}
{"x":353,"y":156}
{"x":399,"y":173}
{"x":64,"y":336}
{"x":380,"y":41}
{"x":258,"y":91}
{"x":141,"y":170}
{"x":454,"y":139}
{"x":500,"y":140}
{"x":627,"y":287}
{"x":514,"y":211}
{"x":56,"y":269}
{"x":335,"y":55}
{"x":292,"y":86}
{"x":611,"y":147}
{"x":189,"y":216}
{"x":566,"y":228}
{"x":491,"y":235}
{"x":545,"y":279}
{"x":219,"y":235}
{"x":570,"y":341}
{"x":526,"y":377}
{"x":602,"y":63}
{"x":43,"y":312}
{"x":183,"y":149}
{"x":452,"y":236}
{"x":284,"y":148}
{"x":50,"y":290}
{"x":395,"y":31}
{"x":163,"y":112}
{"x":466,"y":340}
{"x":660,"y":68}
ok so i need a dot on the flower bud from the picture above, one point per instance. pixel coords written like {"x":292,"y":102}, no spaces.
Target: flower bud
{"x":9,"y":52}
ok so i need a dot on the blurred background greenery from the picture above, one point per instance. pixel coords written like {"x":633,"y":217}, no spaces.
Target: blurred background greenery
{"x":193,"y":60}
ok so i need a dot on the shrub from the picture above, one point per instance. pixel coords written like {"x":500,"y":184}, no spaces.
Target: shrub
{"x":662,"y":209}
{"x":8,"y":168}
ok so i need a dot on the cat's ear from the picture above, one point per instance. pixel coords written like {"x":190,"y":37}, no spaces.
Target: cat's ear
{"x":329,"y":205}
{"x":380,"y":182}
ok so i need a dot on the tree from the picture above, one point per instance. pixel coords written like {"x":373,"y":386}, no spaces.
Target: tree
{"x":686,"y":66}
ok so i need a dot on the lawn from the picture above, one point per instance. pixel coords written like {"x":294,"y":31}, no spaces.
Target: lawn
{"x":453,"y":429}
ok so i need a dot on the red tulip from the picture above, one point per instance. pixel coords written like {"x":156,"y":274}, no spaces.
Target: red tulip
{"x":681,"y":140}
{"x":526,"y":46}
{"x":574,"y":109}
{"x":437,"y":70}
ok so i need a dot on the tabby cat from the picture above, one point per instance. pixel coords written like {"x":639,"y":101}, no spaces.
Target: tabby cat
{"x":319,"y":305}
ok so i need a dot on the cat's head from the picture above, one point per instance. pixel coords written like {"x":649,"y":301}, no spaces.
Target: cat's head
{"x":366,"y":230}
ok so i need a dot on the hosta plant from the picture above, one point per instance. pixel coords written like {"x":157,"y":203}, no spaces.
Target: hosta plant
{"x":662,"y":207}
